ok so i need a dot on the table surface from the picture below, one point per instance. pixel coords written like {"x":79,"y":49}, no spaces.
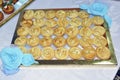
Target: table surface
{"x":57,"y":72}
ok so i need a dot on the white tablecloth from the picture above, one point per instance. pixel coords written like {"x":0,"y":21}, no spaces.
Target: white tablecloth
{"x":61,"y":73}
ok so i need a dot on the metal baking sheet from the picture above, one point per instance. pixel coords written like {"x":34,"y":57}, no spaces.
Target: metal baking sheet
{"x":18,"y":7}
{"x":111,"y":61}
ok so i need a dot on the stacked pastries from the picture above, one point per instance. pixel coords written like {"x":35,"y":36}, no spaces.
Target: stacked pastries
{"x":63,"y":35}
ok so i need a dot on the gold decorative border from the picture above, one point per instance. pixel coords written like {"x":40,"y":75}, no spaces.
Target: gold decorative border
{"x":16,"y":12}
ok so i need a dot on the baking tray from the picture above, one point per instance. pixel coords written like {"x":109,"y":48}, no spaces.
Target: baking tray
{"x":111,"y":61}
{"x":19,"y":7}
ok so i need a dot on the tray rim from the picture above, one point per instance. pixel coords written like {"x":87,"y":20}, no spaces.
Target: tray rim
{"x":112,"y":61}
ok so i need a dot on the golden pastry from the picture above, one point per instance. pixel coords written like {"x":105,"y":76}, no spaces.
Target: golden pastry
{"x":97,"y":20}
{"x":89,"y":53}
{"x":39,"y":14}
{"x":83,"y":14}
{"x":26,"y":23}
{"x":29,"y":14}
{"x":22,"y":31}
{"x":72,"y":31}
{"x":103,"y":53}
{"x":85,"y":42}
{"x":75,"y":53}
{"x":99,"y":41}
{"x":36,"y":52}
{"x":1,"y":16}
{"x":61,"y":53}
{"x":73,"y":41}
{"x":51,"y":23}
{"x":20,"y":41}
{"x":60,"y":14}
{"x":46,"y":31}
{"x":50,"y":14}
{"x":23,"y":49}
{"x":46,"y":41}
{"x":98,"y":30}
{"x":59,"y":31}
{"x":73,"y":14}
{"x":87,"y":22}
{"x":59,"y":41}
{"x":85,"y":31}
{"x":39,"y":22}
{"x":75,"y":22}
{"x":34,"y":31}
{"x":47,"y":53}
{"x":63,"y":22}
{"x":33,"y":41}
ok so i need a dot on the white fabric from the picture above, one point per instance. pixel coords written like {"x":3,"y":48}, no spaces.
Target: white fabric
{"x":60,"y":73}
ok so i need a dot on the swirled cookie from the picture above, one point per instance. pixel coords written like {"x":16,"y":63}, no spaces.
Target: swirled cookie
{"x":33,"y":41}
{"x":85,"y":31}
{"x":75,"y":53}
{"x":99,"y":41}
{"x":89,"y":53}
{"x":29,"y":14}
{"x":47,"y":53}
{"x":50,"y":14}
{"x":72,"y":14}
{"x":87,"y":22}
{"x":21,"y":41}
{"x":60,"y":14}
{"x":62,"y":22}
{"x":98,"y":30}
{"x":97,"y":20}
{"x":75,"y":22}
{"x":39,"y":22}
{"x":72,"y":41}
{"x":34,"y":31}
{"x":26,"y":23}
{"x":22,"y":31}
{"x":83,"y":14}
{"x":103,"y":53}
{"x":39,"y":14}
{"x":36,"y":52}
{"x":46,"y":31}
{"x":61,"y":53}
{"x":72,"y":31}
{"x":46,"y":41}
{"x":59,"y":31}
{"x":59,"y":41}
{"x":51,"y":23}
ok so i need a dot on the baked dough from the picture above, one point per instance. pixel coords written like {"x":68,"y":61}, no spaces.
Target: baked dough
{"x":60,"y":14}
{"x":21,"y":41}
{"x":50,"y":14}
{"x":72,"y":31}
{"x":72,"y":13}
{"x":47,"y":53}
{"x":34,"y":31}
{"x":36,"y":52}
{"x":87,"y":22}
{"x":97,"y":20}
{"x":26,"y":23}
{"x":61,"y":53}
{"x":59,"y":41}
{"x":51,"y":23}
{"x":59,"y":31}
{"x":23,"y":31}
{"x":89,"y":53}
{"x":75,"y":22}
{"x":46,"y":41}
{"x":46,"y":31}
{"x":75,"y":53}
{"x":38,"y":22}
{"x":33,"y":41}
{"x":39,"y":14}
{"x":29,"y":14}
{"x":63,"y":22}
{"x":85,"y":31}
{"x":72,"y":41}
{"x":83,"y":14}
{"x":103,"y":53}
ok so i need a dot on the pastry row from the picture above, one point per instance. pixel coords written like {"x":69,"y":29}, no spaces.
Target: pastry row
{"x":97,"y":41}
{"x":60,"y":31}
{"x":88,"y":53}
{"x":63,"y":22}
